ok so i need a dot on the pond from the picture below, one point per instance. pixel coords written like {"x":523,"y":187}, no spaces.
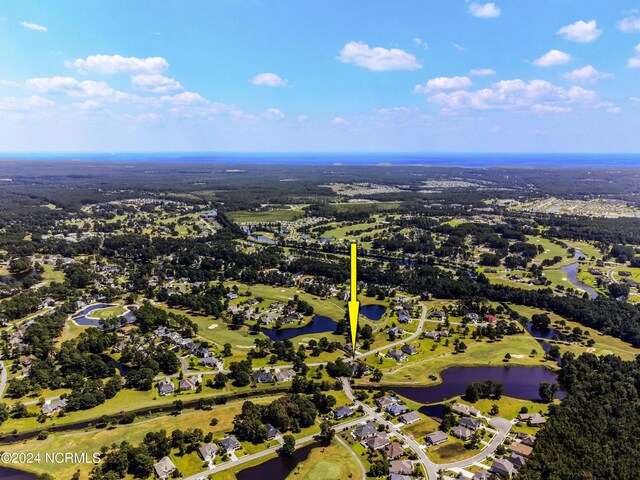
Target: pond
{"x":12,"y":474}
{"x":572,"y":271}
{"x":318,"y":324}
{"x":546,"y":333}
{"x":519,"y":382}
{"x":373,"y":312}
{"x":263,"y":239}
{"x":83,"y":318}
{"x":277,"y":468}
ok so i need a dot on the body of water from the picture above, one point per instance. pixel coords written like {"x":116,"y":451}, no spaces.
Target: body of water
{"x":546,"y":333}
{"x":373,"y":312}
{"x":83,"y":316}
{"x":12,"y":474}
{"x":318,"y":324}
{"x":519,"y":382}
{"x":572,"y":270}
{"x":277,"y":468}
{"x":478,"y":160}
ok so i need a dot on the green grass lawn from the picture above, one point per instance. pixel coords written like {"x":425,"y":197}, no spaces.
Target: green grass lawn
{"x":276,"y":215}
{"x":328,"y":463}
{"x":452,"y":450}
{"x":478,"y":354}
{"x":90,"y":441}
{"x":550,"y":249}
{"x":108,"y":312}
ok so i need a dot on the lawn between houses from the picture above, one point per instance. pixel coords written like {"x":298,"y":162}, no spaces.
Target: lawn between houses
{"x":90,"y":441}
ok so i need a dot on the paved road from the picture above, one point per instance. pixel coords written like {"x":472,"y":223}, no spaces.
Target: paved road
{"x":248,"y":458}
{"x":430,"y":467}
{"x":503,"y":426}
{"x":3,"y":378}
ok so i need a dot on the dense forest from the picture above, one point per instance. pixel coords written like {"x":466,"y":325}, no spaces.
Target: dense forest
{"x":594,"y":432}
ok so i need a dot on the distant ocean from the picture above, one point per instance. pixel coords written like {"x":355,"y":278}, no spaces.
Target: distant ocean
{"x":480,"y":160}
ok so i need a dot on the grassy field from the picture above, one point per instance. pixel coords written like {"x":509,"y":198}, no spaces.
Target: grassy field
{"x":550,"y":249}
{"x":478,"y":354}
{"x":90,"y":441}
{"x":107,"y":312}
{"x":450,"y":451}
{"x":278,"y":215}
{"x":328,"y":463}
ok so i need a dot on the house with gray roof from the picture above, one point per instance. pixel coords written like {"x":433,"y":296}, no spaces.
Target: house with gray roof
{"x":462,"y":433}
{"x":436,"y":438}
{"x":342,"y":412}
{"x":230,"y":444}
{"x":409,"y":418}
{"x":164,"y":468}
{"x":503,"y":467}
{"x":208,"y":451}
{"x":166,"y":388}
{"x":401,"y":467}
{"x":364,"y":431}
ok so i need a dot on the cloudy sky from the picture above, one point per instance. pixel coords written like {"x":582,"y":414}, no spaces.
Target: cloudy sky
{"x":330,"y":75}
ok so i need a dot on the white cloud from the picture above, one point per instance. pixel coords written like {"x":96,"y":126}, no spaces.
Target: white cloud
{"x":270,"y":80}
{"x":586,"y":74}
{"x":629,"y":25}
{"x":422,"y":43}
{"x":111,"y":64}
{"x":13,"y":104}
{"x":634,"y":62}
{"x":88,"y":105}
{"x":487,"y":10}
{"x":377,"y":59}
{"x":580,"y":31}
{"x":144,"y":117}
{"x":339,"y":121}
{"x":542,"y":108}
{"x":634,"y":101}
{"x":156,"y":83}
{"x":458,"y":47}
{"x":183,"y":99}
{"x":34,"y":26}
{"x":444,"y":83}
{"x":73,"y":88}
{"x":274,"y":114}
{"x":447,"y":112}
{"x":9,"y":83}
{"x":515,"y":95}
{"x":482,"y":72}
{"x":551,"y":58}
{"x":302,"y":118}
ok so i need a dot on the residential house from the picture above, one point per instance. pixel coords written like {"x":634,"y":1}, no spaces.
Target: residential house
{"x":342,"y":412}
{"x":526,"y":439}
{"x":393,"y":451}
{"x":377,"y":441}
{"x":166,"y":388}
{"x":397,"y":409}
{"x":404,"y":317}
{"x":409,"y":418}
{"x":461,"y":432}
{"x":208,"y":451}
{"x":285,"y":375}
{"x":436,"y":438}
{"x":385,"y":401}
{"x":398,"y":332}
{"x":396,"y":355}
{"x":503,"y":467}
{"x":517,"y":460}
{"x":212,"y":362}
{"x":532,"y":419}
{"x":53,"y":407}
{"x":364,"y":431}
{"x":230,"y":444}
{"x":263,"y":377}
{"x":437,"y":334}
{"x":470,"y":423}
{"x":401,"y":467}
{"x":482,"y":475}
{"x":189,"y":383}
{"x":164,"y":468}
{"x":465,"y":410}
{"x":409,"y":350}
{"x":272,"y":432}
{"x":520,"y":449}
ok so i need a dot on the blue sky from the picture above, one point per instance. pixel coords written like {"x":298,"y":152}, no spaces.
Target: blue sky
{"x":330,"y":75}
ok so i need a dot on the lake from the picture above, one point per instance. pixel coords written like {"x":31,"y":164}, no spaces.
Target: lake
{"x":546,"y":333}
{"x":318,"y":324}
{"x":82,"y":319}
{"x":373,"y":312}
{"x":519,"y":382}
{"x":11,"y":474}
{"x":277,"y":468}
{"x":572,"y":271}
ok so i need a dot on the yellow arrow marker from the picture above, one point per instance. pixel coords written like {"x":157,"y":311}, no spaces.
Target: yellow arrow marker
{"x":354,"y":305}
